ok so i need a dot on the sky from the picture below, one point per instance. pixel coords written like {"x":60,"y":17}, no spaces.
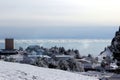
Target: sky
{"x":59,"y":18}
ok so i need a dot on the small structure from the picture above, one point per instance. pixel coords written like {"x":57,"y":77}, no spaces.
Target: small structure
{"x":9,"y":47}
{"x":9,"y":44}
{"x":86,"y":63}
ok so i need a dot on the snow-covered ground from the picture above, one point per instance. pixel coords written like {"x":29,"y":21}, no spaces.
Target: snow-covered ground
{"x":17,"y":71}
{"x":97,"y":74}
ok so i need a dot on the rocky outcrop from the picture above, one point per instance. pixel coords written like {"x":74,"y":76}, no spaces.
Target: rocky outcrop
{"x":114,"y":48}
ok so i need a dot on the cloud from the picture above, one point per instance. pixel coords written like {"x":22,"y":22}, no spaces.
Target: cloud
{"x":59,"y":12}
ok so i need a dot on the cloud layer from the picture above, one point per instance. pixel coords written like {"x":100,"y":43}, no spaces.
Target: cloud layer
{"x":59,"y":12}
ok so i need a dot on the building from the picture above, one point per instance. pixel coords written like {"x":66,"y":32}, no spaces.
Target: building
{"x":9,"y":47}
{"x":9,"y":44}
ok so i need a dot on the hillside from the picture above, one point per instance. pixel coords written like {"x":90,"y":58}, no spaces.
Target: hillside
{"x":16,"y":71}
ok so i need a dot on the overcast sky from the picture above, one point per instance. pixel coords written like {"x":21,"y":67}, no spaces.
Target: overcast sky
{"x":58,"y":13}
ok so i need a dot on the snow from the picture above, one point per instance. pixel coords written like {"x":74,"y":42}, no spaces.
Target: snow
{"x":34,"y":56}
{"x":64,"y":56}
{"x":105,"y":53}
{"x":17,"y":71}
{"x":97,"y":74}
{"x":113,"y":66}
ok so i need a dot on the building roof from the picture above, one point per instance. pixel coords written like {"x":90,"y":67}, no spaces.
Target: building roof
{"x":45,"y":56}
{"x":64,"y":56}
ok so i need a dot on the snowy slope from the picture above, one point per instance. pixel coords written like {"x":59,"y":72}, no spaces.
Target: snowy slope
{"x":16,"y":71}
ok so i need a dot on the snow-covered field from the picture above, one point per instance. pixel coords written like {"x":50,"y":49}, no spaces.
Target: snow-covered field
{"x":16,"y":71}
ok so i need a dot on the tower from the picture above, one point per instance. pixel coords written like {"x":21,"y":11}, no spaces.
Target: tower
{"x":9,"y":44}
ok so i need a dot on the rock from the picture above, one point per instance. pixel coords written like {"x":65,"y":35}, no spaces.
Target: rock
{"x":114,"y":49}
